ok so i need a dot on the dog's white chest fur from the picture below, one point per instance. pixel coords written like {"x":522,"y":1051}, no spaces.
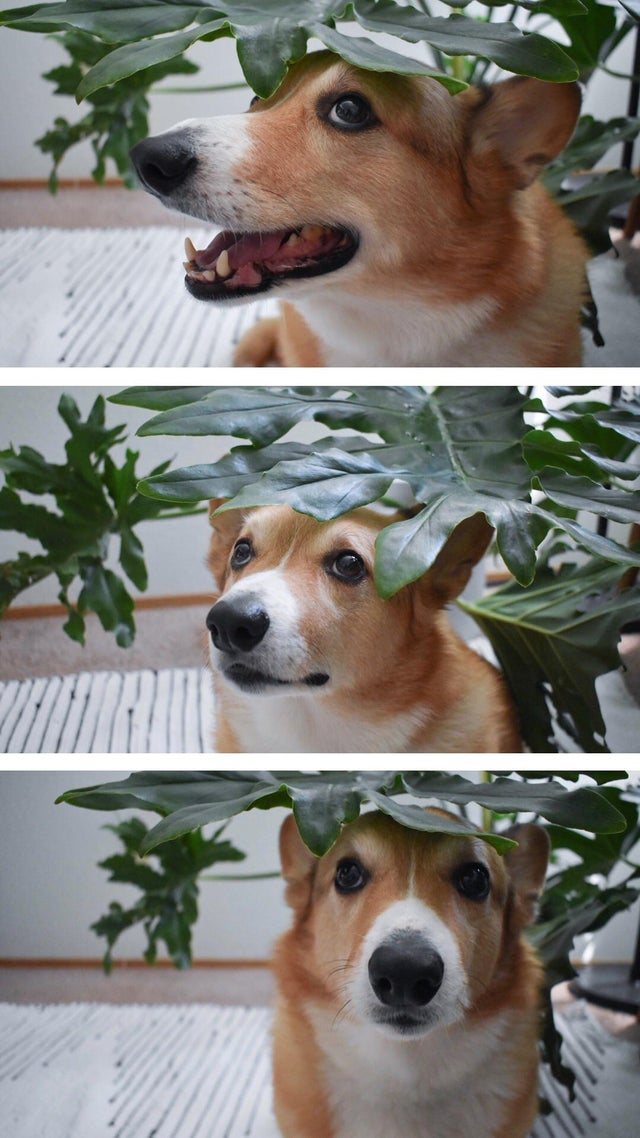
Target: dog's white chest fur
{"x":455,"y":1083}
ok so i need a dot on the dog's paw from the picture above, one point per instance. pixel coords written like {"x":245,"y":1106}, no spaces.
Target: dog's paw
{"x":259,"y":346}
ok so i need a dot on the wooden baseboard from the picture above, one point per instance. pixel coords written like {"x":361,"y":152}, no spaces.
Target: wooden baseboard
{"x":64,"y":184}
{"x":182,"y":600}
{"x":90,"y":962}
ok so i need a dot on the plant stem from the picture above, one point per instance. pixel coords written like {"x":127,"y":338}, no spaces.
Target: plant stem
{"x":199,"y":90}
{"x":238,"y":876}
{"x":487,"y":814}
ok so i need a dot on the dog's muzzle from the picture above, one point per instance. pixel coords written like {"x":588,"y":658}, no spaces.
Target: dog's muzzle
{"x":164,"y":162}
{"x":237,"y":628}
{"x":405,"y":973}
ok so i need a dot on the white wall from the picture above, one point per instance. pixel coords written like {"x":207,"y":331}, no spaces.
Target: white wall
{"x":30,"y":107}
{"x":51,"y":889}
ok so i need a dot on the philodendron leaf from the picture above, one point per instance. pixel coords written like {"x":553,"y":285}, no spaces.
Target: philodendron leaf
{"x":553,"y":640}
{"x":322,"y":802}
{"x":501,"y":42}
{"x":458,"y":449}
{"x":585,"y":808}
{"x":133,"y":57}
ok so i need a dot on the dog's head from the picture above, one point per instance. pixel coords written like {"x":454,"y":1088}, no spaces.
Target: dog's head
{"x":347,"y":175}
{"x":298,"y":611}
{"x":406,"y":930}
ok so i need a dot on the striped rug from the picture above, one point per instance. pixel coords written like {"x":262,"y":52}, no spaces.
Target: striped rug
{"x":110,"y":298}
{"x":198,"y":1071}
{"x":168,"y":711}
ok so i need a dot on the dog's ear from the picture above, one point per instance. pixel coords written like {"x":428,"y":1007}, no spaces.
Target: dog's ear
{"x":453,"y":566}
{"x":525,"y":123}
{"x":527,"y":865}
{"x":298,"y":865}
{"x":225,"y":526}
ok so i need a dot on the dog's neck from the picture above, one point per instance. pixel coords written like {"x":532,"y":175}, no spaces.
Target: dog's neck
{"x":354,"y":331}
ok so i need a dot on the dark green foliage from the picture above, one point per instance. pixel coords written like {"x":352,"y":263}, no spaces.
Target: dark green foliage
{"x":168,"y":882}
{"x":96,"y":500}
{"x":462,"y":451}
{"x":119,"y":113}
{"x":323,"y":802}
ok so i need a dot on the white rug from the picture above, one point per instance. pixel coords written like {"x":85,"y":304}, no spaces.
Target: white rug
{"x":109,"y":298}
{"x":169,"y":711}
{"x":115,"y":298}
{"x":199,"y":1071}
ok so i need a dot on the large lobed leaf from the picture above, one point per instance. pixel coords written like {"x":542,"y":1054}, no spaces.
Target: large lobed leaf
{"x":272,"y":34}
{"x":459,"y":450}
{"x":323,"y":802}
{"x":553,"y":639}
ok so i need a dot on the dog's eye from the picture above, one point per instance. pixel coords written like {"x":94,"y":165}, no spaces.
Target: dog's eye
{"x":348,"y":566}
{"x":242,"y":554}
{"x":351,"y":112}
{"x":350,"y":875}
{"x":473,"y":881}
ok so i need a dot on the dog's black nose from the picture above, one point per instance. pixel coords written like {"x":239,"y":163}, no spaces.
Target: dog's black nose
{"x":163,"y":162}
{"x":405,"y":971}
{"x":238,"y":624}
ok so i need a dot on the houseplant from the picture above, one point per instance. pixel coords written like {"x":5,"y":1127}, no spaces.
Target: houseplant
{"x":96,"y":503}
{"x":536,"y":474}
{"x":118,"y":51}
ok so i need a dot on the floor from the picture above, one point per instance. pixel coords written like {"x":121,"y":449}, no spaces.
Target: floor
{"x":165,"y":638}
{"x":251,"y":985}
{"x":75,"y":207}
{"x":137,"y":984}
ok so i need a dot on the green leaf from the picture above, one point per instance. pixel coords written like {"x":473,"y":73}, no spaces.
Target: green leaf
{"x":584,"y":808}
{"x":429,"y":822}
{"x":553,"y":640}
{"x":104,"y":593}
{"x":321,"y":813}
{"x":588,"y":35}
{"x":502,"y":43}
{"x":583,"y":493}
{"x":362,"y":52}
{"x":590,"y":142}
{"x":134,"y":57}
{"x":115,"y":21}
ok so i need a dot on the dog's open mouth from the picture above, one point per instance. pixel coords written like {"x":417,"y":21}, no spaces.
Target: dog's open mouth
{"x":252,"y":680}
{"x":247,"y":263}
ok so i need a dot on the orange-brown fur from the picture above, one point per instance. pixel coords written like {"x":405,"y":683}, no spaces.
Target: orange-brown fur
{"x":314,"y":959}
{"x":388,"y":659}
{"x":442,"y":194}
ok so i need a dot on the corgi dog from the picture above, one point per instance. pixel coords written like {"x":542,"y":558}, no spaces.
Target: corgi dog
{"x":402,"y":226}
{"x":307,"y":656}
{"x":407,"y":998}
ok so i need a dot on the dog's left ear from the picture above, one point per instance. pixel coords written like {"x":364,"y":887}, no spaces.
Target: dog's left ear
{"x":465,"y":546}
{"x":526,"y":123}
{"x":298,"y":865}
{"x":527,"y":865}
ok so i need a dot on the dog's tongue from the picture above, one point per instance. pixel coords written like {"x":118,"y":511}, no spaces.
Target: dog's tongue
{"x":249,"y":248}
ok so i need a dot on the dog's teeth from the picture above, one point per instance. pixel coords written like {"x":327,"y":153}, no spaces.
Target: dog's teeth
{"x":209,"y":274}
{"x":311,"y":232}
{"x":189,"y":249}
{"x":223,"y":268}
{"x":293,"y":239}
